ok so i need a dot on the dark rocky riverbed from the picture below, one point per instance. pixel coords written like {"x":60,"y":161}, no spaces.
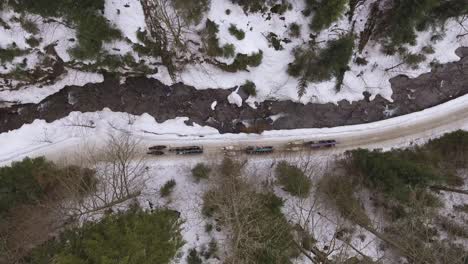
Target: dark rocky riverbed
{"x":144,"y":95}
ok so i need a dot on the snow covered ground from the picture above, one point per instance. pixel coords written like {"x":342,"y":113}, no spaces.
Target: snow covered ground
{"x":61,"y":137}
{"x":40,"y":137}
{"x":270,"y":77}
{"x":35,"y":94}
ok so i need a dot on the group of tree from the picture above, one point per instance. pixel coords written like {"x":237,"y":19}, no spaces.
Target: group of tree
{"x":40,"y":198}
{"x":404,"y":184}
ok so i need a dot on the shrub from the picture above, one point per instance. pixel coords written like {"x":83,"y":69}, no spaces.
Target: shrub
{"x":280,"y":9}
{"x":211,"y":251}
{"x":92,"y":28}
{"x":249,"y":88}
{"x":340,"y":190}
{"x":193,"y":257}
{"x":428,"y":50}
{"x":29,"y":25}
{"x":134,"y":236}
{"x":361,"y":61}
{"x":443,"y":11}
{"x":208,"y":228}
{"x":57,"y":8}
{"x":201,"y":171}
{"x":242,"y":61}
{"x":19,"y":184}
{"x":402,"y":19}
{"x":452,"y":227}
{"x":10,"y":52}
{"x":229,"y":50}
{"x":33,"y":42}
{"x":331,"y":61}
{"x":210,"y":39}
{"x":413,"y":59}
{"x":253,"y":215}
{"x":238,"y":33}
{"x":293,"y":179}
{"x":393,"y":175}
{"x":452,"y":148}
{"x":31,"y":180}
{"x":326,"y":12}
{"x":272,"y":202}
{"x":167,"y":188}
{"x":211,"y":42}
{"x":110,"y":61}
{"x":294,"y":30}
{"x":3,"y":23}
{"x":191,"y":10}
{"x":252,"y":5}
{"x":274,"y":41}
{"x":461,"y":208}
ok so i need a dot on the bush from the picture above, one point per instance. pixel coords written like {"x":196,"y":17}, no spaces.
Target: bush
{"x":132,"y":237}
{"x":10,"y":52}
{"x":452,"y":148}
{"x":29,"y":25}
{"x":211,"y":251}
{"x":461,"y":208}
{"x":249,"y":88}
{"x":452,"y":227}
{"x":331,"y":61}
{"x":238,"y":33}
{"x":393,"y":175}
{"x":210,"y":39}
{"x":252,"y":5}
{"x":31,"y":180}
{"x":293,"y":179}
{"x":191,"y":10}
{"x":201,"y":171}
{"x":57,"y":8}
{"x":167,"y":188}
{"x":274,"y":41}
{"x":242,"y":61}
{"x":193,"y":257}
{"x":253,"y":215}
{"x":428,"y":50}
{"x":413,"y":59}
{"x":443,"y":11}
{"x":33,"y":42}
{"x":294,"y":30}
{"x":229,"y":50}
{"x":211,"y":42}
{"x":92,"y":28}
{"x":326,"y":12}
{"x":19,"y":182}
{"x":340,"y":190}
{"x":280,"y":9}
{"x":398,"y":26}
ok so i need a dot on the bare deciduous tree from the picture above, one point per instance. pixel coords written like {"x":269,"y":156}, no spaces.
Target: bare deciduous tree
{"x":240,"y":207}
{"x":120,"y":173}
{"x":168,"y":30}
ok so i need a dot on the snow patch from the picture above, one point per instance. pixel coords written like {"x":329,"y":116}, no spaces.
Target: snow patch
{"x":234,"y":98}
{"x":35,"y":94}
{"x":213,"y":105}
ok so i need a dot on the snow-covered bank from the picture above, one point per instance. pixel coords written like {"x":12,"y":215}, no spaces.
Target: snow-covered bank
{"x":271,"y":77}
{"x":35,"y":94}
{"x":41,"y":137}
